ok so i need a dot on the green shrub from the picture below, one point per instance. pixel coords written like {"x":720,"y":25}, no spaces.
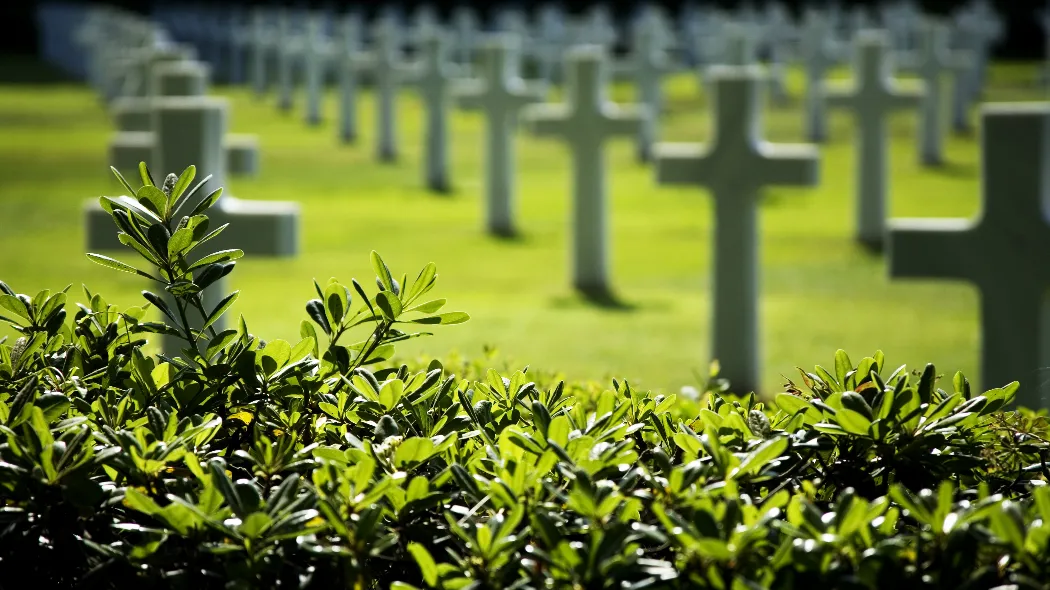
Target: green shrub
{"x":321,"y":464}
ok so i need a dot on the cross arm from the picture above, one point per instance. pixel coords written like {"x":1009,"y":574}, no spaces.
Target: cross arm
{"x":929,"y":248}
{"x":624,"y":119}
{"x":469,"y":94}
{"x":907,"y":97}
{"x":682,"y":163}
{"x":546,"y":120}
{"x":527,"y":92}
{"x":791,"y":165}
{"x":262,"y":228}
{"x":838,"y":94}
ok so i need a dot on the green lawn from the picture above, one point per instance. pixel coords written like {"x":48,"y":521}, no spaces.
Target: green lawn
{"x":820,"y":291}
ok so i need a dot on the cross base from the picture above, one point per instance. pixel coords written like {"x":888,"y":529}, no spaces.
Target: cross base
{"x":262,"y":228}
{"x":129,"y":148}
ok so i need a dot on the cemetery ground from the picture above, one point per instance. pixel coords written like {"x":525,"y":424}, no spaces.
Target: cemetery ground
{"x":820,"y":291}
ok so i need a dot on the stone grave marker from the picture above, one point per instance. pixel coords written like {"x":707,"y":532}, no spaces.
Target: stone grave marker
{"x":316,"y":54}
{"x":551,"y":41}
{"x":500,"y":94}
{"x":260,"y":51}
{"x":979,"y":28}
{"x":172,"y":79}
{"x":131,"y":112}
{"x":646,"y":65}
{"x":190,"y":131}
{"x":289,"y":50}
{"x":819,"y":54}
{"x":585,"y":121}
{"x":873,"y":96}
{"x":935,"y":61}
{"x":735,"y":166}
{"x":465,"y":28}
{"x":348,"y":62}
{"x":779,"y":35}
{"x":387,"y":71}
{"x":1003,"y":252}
{"x":433,"y":76}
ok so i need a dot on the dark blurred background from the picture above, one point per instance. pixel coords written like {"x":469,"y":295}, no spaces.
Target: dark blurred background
{"x":1024,"y":39}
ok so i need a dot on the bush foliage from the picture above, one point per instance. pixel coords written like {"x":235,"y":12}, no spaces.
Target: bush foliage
{"x":245,"y":463}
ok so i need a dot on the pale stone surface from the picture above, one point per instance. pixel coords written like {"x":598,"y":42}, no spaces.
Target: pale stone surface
{"x":316,"y":53}
{"x":433,"y":76}
{"x":779,"y":35}
{"x":185,"y":78}
{"x":646,"y":66}
{"x":1002,"y":252}
{"x":735,"y":166}
{"x":500,"y":94}
{"x":387,"y":70}
{"x":585,"y":122}
{"x":465,"y":28}
{"x":819,"y":54}
{"x":935,"y":62}
{"x":288,"y":51}
{"x":191,"y":132}
{"x":872,"y":98}
{"x":348,"y":62}
{"x":260,"y":51}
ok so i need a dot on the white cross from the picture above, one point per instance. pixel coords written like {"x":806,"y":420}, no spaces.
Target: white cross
{"x":387,"y":70}
{"x":348,"y":60}
{"x":190,"y":131}
{"x":432,"y":76}
{"x":935,"y":59}
{"x":316,"y":53}
{"x":819,"y":54}
{"x":647,"y":64}
{"x":584,"y":122}
{"x":874,"y":96}
{"x":1004,"y":252}
{"x":465,"y":25}
{"x":288,"y":49}
{"x":501,"y":94}
{"x":780,"y":33}
{"x":173,"y":78}
{"x":260,"y":50}
{"x":735,"y":166}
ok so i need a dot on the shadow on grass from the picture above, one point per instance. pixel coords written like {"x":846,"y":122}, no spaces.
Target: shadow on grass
{"x":955,"y":170}
{"x":598,"y":298}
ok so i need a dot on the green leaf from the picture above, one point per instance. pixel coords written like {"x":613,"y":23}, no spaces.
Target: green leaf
{"x":423,"y":283}
{"x":793,"y":404}
{"x":206,"y":202}
{"x":391,"y":393}
{"x":445,"y":319}
{"x":413,"y":450}
{"x":182,"y":184}
{"x":842,"y":366}
{"x":428,"y":307}
{"x":853,"y":422}
{"x":153,"y":199}
{"x":335,"y":301}
{"x":389,"y":304}
{"x":255,"y":525}
{"x":123,"y":181}
{"x":118,"y":265}
{"x":136,"y":500}
{"x":220,"y":256}
{"x":180,"y":242}
{"x":16,"y":305}
{"x":220,"y":309}
{"x":762,"y":455}
{"x":426,"y":563}
{"x":382,"y":271}
{"x":144,"y":174}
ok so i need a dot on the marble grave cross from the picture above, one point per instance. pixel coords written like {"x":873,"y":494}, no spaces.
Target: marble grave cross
{"x":584,"y":122}
{"x":287,"y":48}
{"x":432,"y":76}
{"x":190,"y":131}
{"x":872,"y":98}
{"x":501,"y":94}
{"x":647,"y":65}
{"x":735,"y":166}
{"x":316,"y":53}
{"x":348,"y":62}
{"x":1003,"y":252}
{"x":174,"y":78}
{"x":387,"y":71}
{"x":819,"y":54}
{"x":935,"y":59}
{"x":260,"y":51}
